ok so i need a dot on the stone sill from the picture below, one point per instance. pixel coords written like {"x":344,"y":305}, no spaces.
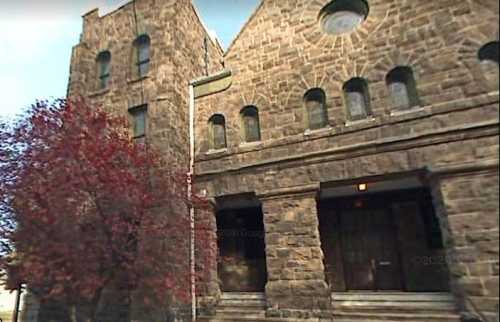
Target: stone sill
{"x":250,"y":145}
{"x":100,"y":92}
{"x":137,"y":79}
{"x":216,"y":152}
{"x":369,"y":119}
{"x":324,"y":130}
{"x":412,"y":110}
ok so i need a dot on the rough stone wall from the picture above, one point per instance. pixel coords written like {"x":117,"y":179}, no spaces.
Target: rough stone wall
{"x":177,"y":57}
{"x":282,"y":52}
{"x":470,"y":203}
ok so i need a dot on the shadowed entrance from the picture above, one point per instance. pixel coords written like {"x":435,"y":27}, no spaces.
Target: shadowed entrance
{"x":383,"y":241}
{"x":242,"y":257}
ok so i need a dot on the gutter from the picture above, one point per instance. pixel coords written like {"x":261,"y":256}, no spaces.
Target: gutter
{"x":191,"y":207}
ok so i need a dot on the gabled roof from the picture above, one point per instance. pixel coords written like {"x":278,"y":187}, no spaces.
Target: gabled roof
{"x":249,"y":20}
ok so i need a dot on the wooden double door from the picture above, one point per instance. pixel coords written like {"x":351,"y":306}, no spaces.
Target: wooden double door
{"x":383,"y":242}
{"x":370,"y":250}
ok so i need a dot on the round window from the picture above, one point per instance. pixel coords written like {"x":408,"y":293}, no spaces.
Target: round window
{"x":343,"y":16}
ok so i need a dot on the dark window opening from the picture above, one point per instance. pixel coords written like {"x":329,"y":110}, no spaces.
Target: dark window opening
{"x":139,"y":116}
{"x":357,"y":99}
{"x":403,"y":89}
{"x":251,"y":124}
{"x":104,"y":65}
{"x":317,"y":115}
{"x":489,"y":58}
{"x":142,"y":46}
{"x":490,"y":52}
{"x":217,"y":132}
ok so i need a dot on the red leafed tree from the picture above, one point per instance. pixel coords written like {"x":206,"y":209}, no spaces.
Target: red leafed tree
{"x":88,"y":215}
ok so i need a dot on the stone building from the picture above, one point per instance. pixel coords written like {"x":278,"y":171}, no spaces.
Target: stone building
{"x":350,"y":148}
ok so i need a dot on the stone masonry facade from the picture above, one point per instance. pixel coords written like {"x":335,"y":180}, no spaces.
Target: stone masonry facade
{"x":450,"y":137}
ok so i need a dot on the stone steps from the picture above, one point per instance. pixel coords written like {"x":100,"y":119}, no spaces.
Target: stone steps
{"x":348,"y":307}
{"x":399,"y":317}
{"x":394,"y":307}
{"x":238,"y":307}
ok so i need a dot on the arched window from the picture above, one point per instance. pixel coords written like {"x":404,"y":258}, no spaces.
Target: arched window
{"x":343,"y":16}
{"x":139,"y":118}
{"x":489,"y":57}
{"x":490,"y":52}
{"x":402,"y":87}
{"x":251,"y":124}
{"x":104,"y":69}
{"x":217,"y":132}
{"x":315,"y":102}
{"x":357,"y":98}
{"x":142,"y":55}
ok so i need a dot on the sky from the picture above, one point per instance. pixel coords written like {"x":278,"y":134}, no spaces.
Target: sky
{"x":37,"y":37}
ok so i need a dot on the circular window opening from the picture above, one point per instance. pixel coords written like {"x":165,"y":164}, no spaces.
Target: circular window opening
{"x":343,"y":16}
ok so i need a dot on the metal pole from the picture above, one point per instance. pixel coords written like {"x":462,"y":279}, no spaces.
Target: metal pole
{"x":15,"y":315}
{"x":191,"y":210}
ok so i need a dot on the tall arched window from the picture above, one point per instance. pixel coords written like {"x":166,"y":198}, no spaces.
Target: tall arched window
{"x":251,"y":124}
{"x":402,"y":87}
{"x":217,"y":132}
{"x":104,"y":69}
{"x":357,"y":98}
{"x":489,"y":57}
{"x":142,"y":55}
{"x":315,"y":102}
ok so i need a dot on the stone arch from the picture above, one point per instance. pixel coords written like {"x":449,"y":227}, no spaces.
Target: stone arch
{"x":312,"y":33}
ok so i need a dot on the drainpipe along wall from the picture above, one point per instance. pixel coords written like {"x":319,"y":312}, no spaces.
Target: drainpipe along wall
{"x":190,"y":196}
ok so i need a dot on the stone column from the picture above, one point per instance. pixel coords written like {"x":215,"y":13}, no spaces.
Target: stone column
{"x":296,"y":277}
{"x":468,"y":205}
{"x":207,"y":286}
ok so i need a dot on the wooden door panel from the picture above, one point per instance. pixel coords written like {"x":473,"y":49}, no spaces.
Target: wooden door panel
{"x":370,"y":250}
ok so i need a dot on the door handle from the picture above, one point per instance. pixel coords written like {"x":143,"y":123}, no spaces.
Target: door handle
{"x":385,"y":263}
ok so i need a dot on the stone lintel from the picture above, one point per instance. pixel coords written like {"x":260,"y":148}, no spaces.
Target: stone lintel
{"x":288,"y":192}
{"x":464,"y":168}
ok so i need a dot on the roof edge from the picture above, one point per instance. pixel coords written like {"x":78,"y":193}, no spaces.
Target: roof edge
{"x":211,"y":78}
{"x":250,"y":19}
{"x":214,"y":40}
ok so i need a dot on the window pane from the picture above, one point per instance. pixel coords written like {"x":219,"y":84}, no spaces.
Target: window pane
{"x":139,"y":123}
{"x":105,"y":68}
{"x":143,"y":69}
{"x":252,"y":131}
{"x":400,"y":95}
{"x":316,"y":115}
{"x":356,"y":104}
{"x":219,"y":133}
{"x":104,"y":81}
{"x":143,"y":52}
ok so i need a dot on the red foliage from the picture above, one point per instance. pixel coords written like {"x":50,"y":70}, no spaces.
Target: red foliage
{"x":84,"y":207}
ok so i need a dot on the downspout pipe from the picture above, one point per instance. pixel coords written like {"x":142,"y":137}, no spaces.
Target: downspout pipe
{"x":191,"y":207}
{"x":17,"y":306}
